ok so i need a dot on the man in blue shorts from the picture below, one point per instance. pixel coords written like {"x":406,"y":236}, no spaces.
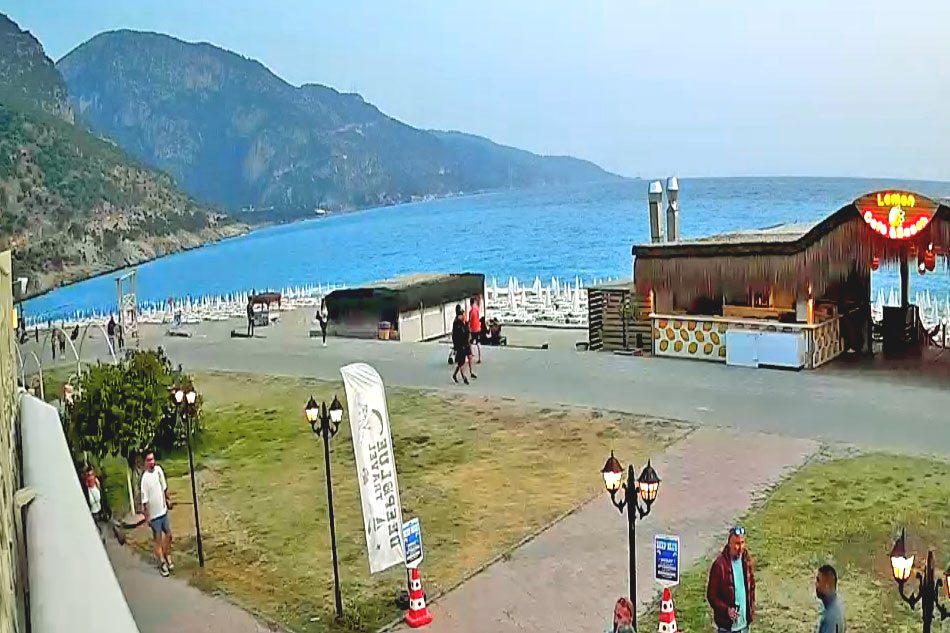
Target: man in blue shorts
{"x":156,"y":505}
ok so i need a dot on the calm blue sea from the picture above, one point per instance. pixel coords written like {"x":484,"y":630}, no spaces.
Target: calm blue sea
{"x":581,"y":230}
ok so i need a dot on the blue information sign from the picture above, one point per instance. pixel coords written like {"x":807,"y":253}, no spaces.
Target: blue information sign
{"x":667,"y":568}
{"x":412,"y":535}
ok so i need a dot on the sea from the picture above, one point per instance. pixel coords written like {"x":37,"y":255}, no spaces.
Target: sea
{"x":583,"y":231}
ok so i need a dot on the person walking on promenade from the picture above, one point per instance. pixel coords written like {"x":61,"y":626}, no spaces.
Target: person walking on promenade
{"x":460,"y":343}
{"x":731,"y":587}
{"x":250,"y":318}
{"x":62,"y":341}
{"x":323,"y":318}
{"x":119,"y":335}
{"x":826,"y":588}
{"x":52,"y":340}
{"x":475,"y":327}
{"x":156,"y":503}
{"x":110,"y":330}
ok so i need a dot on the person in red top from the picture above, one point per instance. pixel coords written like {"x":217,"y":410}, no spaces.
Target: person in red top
{"x":475,"y":327}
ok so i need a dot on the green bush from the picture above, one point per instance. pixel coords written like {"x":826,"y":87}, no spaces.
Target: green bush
{"x":125,"y":408}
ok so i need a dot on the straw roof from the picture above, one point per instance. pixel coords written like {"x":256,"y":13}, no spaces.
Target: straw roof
{"x":790,"y":256}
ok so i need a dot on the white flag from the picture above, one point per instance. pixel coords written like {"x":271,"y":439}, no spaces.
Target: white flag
{"x":375,"y":466}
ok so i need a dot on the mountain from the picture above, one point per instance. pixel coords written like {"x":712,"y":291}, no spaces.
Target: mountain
{"x":71,"y":204}
{"x":233,"y":133}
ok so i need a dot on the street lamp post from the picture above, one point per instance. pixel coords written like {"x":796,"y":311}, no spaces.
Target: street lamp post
{"x":634,"y":490}
{"x":325,"y":423}
{"x":185,"y":406}
{"x":928,"y":588}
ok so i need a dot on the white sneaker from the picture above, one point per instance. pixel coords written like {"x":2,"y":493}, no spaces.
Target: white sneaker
{"x":171,"y":565}
{"x":163,"y":569}
{"x":324,"y":344}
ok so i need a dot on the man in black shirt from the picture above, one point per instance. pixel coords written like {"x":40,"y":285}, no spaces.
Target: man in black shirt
{"x":460,"y":344}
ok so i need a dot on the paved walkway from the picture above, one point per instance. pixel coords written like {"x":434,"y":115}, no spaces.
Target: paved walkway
{"x":171,"y":605}
{"x":568,"y":578}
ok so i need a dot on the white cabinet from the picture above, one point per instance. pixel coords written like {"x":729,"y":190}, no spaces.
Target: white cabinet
{"x":747,"y":348}
{"x":741,"y":348}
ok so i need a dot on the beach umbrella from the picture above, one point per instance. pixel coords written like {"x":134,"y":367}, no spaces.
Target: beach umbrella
{"x":576,"y":302}
{"x":536,"y":289}
{"x":511,"y":301}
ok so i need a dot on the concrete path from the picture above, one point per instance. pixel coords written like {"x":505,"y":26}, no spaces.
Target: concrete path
{"x":568,"y":578}
{"x":171,"y":605}
{"x":900,"y":409}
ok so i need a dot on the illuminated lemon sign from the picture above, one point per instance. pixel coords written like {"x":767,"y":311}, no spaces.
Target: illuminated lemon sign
{"x":897,"y":215}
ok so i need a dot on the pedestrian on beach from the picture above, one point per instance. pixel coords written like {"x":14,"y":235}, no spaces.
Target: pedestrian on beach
{"x":156,"y":504}
{"x":731,"y":587}
{"x":52,"y":341}
{"x":475,"y":327}
{"x":36,"y":333}
{"x":250,"y":318}
{"x":119,"y":335}
{"x":110,"y":330}
{"x":323,"y":318}
{"x":460,"y":343}
{"x":826,"y":588}
{"x":62,"y":341}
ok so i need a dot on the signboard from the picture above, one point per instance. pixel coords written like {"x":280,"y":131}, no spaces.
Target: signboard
{"x":375,"y":466}
{"x":667,"y":567}
{"x":413,"y":537}
{"x":897,"y":215}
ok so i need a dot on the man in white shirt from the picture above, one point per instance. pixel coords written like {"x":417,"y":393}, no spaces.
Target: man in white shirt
{"x":156,"y":505}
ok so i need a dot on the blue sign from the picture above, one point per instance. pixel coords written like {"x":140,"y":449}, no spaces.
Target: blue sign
{"x":412,"y":535}
{"x":667,"y":568}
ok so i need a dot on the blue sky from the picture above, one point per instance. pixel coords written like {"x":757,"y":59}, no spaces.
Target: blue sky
{"x":689,"y":87}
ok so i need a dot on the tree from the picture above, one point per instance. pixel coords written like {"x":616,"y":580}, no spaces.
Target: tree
{"x":125,"y":408}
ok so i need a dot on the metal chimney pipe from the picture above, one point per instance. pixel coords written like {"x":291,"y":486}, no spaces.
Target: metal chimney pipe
{"x":654,"y":200}
{"x":673,"y":209}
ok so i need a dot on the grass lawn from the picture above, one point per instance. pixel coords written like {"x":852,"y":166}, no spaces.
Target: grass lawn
{"x":479,"y":473}
{"x":845,"y":512}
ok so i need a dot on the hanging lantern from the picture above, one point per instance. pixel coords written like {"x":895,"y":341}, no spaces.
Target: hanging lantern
{"x":901,"y":564}
{"x":875,"y":263}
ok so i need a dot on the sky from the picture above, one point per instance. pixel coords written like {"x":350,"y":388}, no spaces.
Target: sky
{"x":643,"y":88}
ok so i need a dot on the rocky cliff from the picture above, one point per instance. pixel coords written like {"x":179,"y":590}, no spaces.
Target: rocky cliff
{"x":72,"y":204}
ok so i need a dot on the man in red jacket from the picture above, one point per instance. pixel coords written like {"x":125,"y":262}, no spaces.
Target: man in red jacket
{"x":731,"y":588}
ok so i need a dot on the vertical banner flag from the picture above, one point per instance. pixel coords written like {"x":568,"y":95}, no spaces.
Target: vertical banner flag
{"x":375,"y":465}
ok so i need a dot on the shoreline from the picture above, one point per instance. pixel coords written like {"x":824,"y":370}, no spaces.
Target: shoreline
{"x":256,"y":228}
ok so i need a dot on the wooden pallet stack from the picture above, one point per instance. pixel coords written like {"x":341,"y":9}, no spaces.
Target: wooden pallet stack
{"x":619,"y":318}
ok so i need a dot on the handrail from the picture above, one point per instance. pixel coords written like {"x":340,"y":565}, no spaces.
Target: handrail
{"x":65,"y":557}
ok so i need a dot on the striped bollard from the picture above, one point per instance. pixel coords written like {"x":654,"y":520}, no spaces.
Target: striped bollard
{"x":417,"y":615}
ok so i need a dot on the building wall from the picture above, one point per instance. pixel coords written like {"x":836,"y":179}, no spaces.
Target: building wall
{"x":10,"y":575}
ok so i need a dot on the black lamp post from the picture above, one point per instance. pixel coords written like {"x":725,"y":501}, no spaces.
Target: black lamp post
{"x":634,"y":490}
{"x":326,"y":423}
{"x":928,"y":588}
{"x":185,"y":406}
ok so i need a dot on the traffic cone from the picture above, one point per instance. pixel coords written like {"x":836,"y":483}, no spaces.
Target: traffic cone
{"x":417,"y":615}
{"x":667,"y":616}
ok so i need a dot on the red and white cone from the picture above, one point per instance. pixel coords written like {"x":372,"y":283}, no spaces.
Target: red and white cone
{"x":417,"y":615}
{"x":667,"y":615}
